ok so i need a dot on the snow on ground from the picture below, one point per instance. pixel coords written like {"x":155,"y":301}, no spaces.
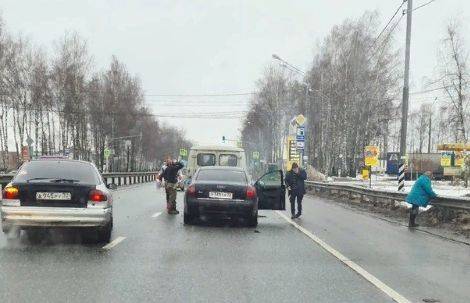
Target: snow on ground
{"x":442,"y":188}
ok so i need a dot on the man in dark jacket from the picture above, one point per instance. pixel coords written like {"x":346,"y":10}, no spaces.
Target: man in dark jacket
{"x":295,"y":181}
{"x":170,"y":175}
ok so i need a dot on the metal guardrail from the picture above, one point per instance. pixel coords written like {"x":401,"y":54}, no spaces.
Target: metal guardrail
{"x":118,"y":178}
{"x":128,"y":178}
{"x":362,"y":193}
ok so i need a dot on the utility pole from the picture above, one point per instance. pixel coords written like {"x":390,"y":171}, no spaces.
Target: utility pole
{"x":406,"y":95}
{"x":429,"y":132}
{"x":430,"y":125}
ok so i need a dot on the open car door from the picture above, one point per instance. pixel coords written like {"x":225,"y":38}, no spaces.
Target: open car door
{"x":271,"y":191}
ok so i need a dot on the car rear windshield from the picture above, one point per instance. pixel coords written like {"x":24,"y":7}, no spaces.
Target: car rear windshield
{"x":221,"y":175}
{"x":69,"y":170}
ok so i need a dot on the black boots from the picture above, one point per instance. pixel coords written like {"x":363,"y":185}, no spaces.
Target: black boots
{"x":413,"y":215}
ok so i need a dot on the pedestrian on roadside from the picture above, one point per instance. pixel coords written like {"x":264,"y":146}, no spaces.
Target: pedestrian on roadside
{"x":420,"y":195}
{"x":295,"y":181}
{"x":170,"y":175}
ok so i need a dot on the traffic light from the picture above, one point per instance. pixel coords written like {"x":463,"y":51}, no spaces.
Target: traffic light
{"x":223,"y":139}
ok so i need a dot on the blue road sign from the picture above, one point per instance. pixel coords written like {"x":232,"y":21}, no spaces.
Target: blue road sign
{"x":300,"y":139}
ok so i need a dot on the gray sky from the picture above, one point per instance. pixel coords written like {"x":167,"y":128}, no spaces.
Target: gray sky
{"x":221,"y":46}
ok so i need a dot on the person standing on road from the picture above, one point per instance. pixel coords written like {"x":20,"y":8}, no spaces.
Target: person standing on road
{"x":420,"y":195}
{"x":295,"y":181}
{"x":170,"y":175}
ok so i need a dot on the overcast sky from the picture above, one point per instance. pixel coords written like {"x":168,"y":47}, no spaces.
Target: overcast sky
{"x":182,"y":47}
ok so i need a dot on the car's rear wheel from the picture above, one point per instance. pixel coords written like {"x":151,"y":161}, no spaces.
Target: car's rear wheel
{"x":187,"y":218}
{"x":98,"y":235}
{"x":104,"y":234}
{"x":253,"y":220}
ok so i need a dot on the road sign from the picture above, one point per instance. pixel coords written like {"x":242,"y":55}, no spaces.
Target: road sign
{"x":300,"y":145}
{"x":300,"y":138}
{"x":29,"y":141}
{"x":107,"y":153}
{"x":371,"y":156}
{"x":293,"y":153}
{"x":300,"y":119}
{"x":183,"y":152}
{"x":365,"y":174}
{"x":459,"y":158}
{"x":446,"y":158}
{"x":301,"y":131}
{"x":256,"y":155}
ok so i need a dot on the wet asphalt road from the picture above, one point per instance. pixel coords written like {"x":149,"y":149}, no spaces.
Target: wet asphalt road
{"x":160,"y":259}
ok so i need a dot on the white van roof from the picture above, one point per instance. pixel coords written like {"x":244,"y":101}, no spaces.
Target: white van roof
{"x":218,"y":148}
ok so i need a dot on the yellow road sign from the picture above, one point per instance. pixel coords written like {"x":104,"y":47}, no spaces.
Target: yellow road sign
{"x":446,"y":159}
{"x":183,"y":152}
{"x":300,"y":119}
{"x":371,"y":156}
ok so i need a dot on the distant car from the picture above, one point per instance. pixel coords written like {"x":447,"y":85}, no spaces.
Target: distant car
{"x":219,"y":190}
{"x":58,"y":193}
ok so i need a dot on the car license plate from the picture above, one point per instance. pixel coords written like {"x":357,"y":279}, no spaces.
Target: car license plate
{"x":220,"y":195}
{"x":53,"y":196}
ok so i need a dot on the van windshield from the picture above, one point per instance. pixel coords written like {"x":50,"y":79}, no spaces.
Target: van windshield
{"x":205,"y":159}
{"x":228,"y":160}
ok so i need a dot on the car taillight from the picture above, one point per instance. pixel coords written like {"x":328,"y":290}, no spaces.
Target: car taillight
{"x":250,"y":192}
{"x":97,"y":196}
{"x":191,"y":190}
{"x":11,"y":192}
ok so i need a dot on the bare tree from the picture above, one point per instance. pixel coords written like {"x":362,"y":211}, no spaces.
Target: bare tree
{"x":454,"y":74}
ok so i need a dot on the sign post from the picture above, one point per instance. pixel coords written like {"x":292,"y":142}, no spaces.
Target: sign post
{"x":300,"y":136}
{"x":371,"y":158}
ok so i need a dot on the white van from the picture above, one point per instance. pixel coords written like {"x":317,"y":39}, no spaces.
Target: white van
{"x":219,"y":155}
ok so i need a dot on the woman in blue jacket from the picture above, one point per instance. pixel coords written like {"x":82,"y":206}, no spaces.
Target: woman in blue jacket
{"x":420,"y":195}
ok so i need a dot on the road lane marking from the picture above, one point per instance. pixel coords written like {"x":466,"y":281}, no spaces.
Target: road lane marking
{"x":113,"y":243}
{"x":351,"y":264}
{"x":156,"y":214}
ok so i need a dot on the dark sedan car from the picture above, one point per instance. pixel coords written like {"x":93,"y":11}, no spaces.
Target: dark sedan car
{"x":57,"y":193}
{"x":221,"y":190}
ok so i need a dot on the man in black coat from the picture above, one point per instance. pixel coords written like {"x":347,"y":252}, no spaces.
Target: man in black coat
{"x":295,"y":181}
{"x":170,"y":175}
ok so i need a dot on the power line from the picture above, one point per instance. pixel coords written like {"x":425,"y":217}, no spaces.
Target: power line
{"x":196,"y":102}
{"x":388,"y":23}
{"x":392,"y":29}
{"x":205,"y":115}
{"x":423,"y":5}
{"x":200,"y":95}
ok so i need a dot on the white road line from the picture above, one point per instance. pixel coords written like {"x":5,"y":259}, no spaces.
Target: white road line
{"x":113,"y":243}
{"x":358,"y":269}
{"x":156,"y":214}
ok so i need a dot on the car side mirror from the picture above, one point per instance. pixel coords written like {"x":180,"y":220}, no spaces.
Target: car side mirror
{"x":111,"y":186}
